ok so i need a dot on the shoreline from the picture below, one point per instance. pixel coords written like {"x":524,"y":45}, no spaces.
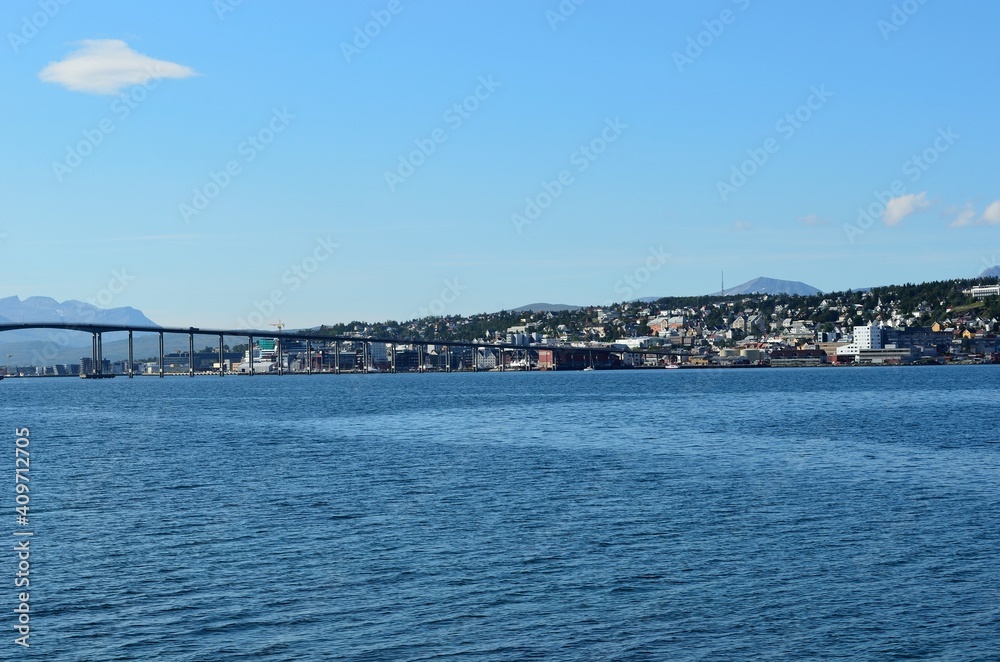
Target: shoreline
{"x":608,"y":369}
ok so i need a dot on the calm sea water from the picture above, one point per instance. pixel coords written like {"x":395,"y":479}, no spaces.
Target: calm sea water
{"x":662,"y":515}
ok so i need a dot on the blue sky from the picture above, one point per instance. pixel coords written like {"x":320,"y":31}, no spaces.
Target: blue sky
{"x":691,"y":138}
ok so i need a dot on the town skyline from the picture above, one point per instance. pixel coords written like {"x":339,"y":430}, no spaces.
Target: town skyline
{"x":945,"y":321}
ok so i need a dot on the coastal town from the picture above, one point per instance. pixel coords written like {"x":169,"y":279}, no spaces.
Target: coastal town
{"x":932,"y":323}
{"x":943,"y":322}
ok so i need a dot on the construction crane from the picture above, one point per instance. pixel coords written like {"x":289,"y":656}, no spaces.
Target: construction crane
{"x":280,"y":325}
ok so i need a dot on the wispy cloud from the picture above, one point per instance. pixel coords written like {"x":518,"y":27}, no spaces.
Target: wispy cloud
{"x":967,"y":215}
{"x":127,"y":239}
{"x":962,"y":216}
{"x":813,"y":220}
{"x":905,"y":205}
{"x":992,"y":214}
{"x":157,"y":237}
{"x":105,"y":66}
{"x":741,"y":226}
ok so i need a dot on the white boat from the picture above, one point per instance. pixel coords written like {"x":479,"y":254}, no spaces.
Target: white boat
{"x":672,"y":366}
{"x":589,"y":368}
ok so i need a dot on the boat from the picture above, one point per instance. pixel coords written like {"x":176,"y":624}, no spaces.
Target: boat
{"x":672,"y":366}
{"x":589,"y":368}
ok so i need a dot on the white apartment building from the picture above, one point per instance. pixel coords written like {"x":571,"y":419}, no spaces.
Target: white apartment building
{"x":983,"y":291}
{"x":865,"y":337}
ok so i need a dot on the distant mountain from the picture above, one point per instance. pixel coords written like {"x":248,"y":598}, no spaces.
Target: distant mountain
{"x":992,"y":272}
{"x":545,"y":308}
{"x":44,"y":309}
{"x":763,"y":285}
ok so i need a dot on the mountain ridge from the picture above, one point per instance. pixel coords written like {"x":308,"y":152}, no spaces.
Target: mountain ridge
{"x":34,"y":309}
{"x":764,"y":285}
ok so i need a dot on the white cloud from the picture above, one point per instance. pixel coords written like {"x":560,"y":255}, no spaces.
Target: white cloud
{"x":899,"y":208}
{"x":741,"y":226}
{"x":963,"y":216}
{"x":105,"y":66}
{"x":813,"y":220}
{"x":992,"y":214}
{"x":966,"y":216}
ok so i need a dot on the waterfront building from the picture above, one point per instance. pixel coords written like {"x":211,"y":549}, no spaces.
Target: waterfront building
{"x":864,"y":338}
{"x":886,"y":355}
{"x":640,"y":342}
{"x":797,"y":357}
{"x":925,"y":339}
{"x":486,"y":359}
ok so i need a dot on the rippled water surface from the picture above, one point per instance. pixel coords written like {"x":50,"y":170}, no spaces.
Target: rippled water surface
{"x":716,"y":515}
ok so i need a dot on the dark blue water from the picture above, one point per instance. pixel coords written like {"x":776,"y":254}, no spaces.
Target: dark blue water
{"x":716,"y":515}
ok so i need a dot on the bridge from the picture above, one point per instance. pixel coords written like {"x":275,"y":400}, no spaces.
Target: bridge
{"x":507,"y":356}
